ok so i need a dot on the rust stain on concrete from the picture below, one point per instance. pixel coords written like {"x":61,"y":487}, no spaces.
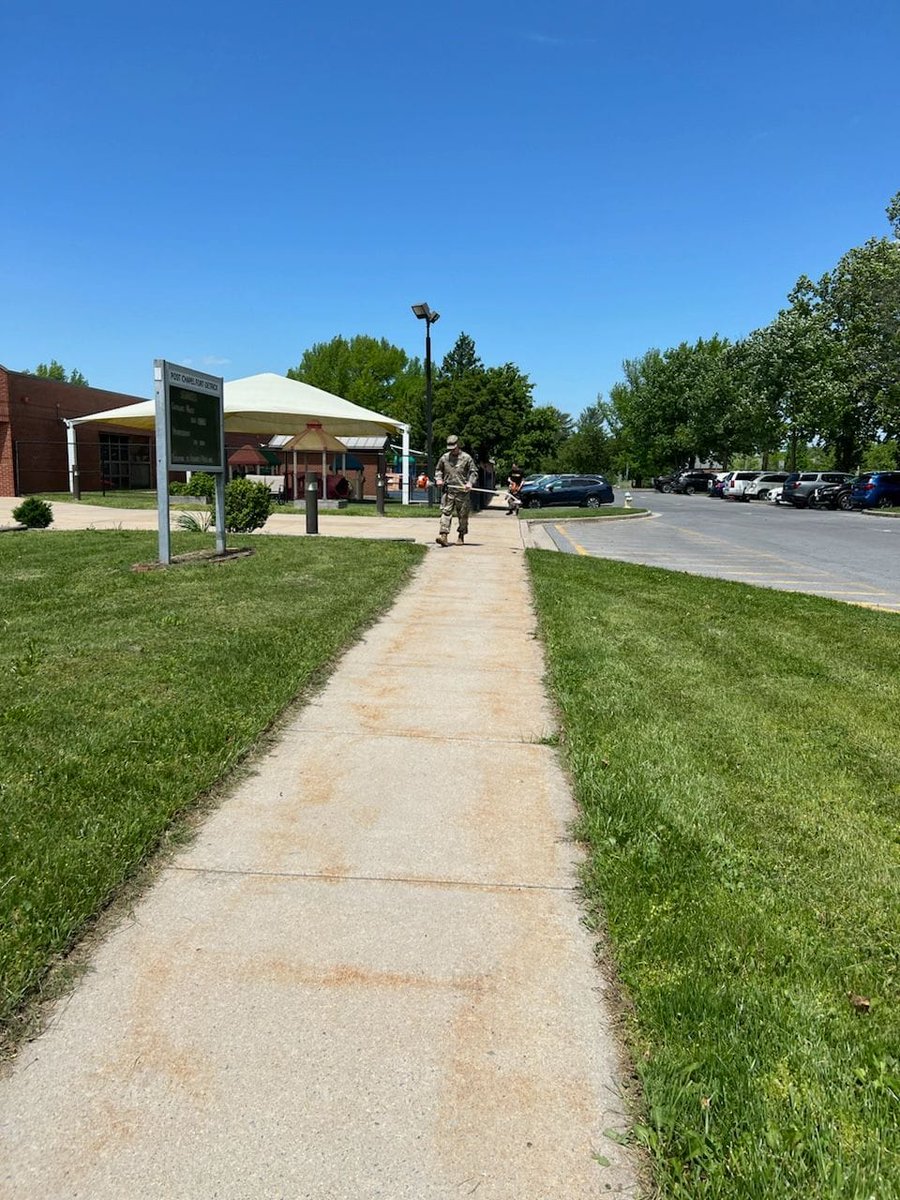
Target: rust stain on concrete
{"x":500,"y":1118}
{"x":349,"y":975}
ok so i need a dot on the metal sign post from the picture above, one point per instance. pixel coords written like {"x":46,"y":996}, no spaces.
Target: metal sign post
{"x":190,"y":436}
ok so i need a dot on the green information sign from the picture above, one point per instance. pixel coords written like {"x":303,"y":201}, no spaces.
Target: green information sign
{"x":190,"y":436}
{"x":195,"y":430}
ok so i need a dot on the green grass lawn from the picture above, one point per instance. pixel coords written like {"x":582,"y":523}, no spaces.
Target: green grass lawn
{"x":577,"y":514}
{"x":147,"y":500}
{"x":123,"y":499}
{"x":124,"y":696}
{"x":736,"y":757}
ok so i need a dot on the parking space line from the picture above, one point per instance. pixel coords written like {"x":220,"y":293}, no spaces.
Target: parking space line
{"x":579,"y":549}
{"x":725,"y":561}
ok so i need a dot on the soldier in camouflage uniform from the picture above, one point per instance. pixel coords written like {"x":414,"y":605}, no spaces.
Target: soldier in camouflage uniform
{"x":456,"y":474}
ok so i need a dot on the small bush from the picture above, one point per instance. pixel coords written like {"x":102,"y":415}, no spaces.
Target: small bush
{"x":200,"y":484}
{"x":247,"y":505}
{"x":36,"y":514}
{"x":178,"y":489}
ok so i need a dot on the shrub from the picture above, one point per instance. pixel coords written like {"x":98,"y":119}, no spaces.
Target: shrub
{"x":200,"y":484}
{"x":178,"y":489}
{"x":36,"y":514}
{"x":247,"y":505}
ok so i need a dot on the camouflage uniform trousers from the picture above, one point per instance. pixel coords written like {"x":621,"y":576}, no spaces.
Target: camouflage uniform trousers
{"x":455,"y":503}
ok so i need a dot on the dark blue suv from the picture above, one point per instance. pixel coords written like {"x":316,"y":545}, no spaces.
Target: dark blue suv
{"x":876,"y":489}
{"x":588,"y":490}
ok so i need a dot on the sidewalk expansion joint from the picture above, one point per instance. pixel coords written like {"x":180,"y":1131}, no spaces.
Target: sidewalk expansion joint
{"x":415,"y":880}
{"x":415,"y":735}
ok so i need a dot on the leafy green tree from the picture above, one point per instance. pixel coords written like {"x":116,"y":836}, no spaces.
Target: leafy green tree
{"x":591,"y":448}
{"x":368,"y":371}
{"x":893,"y":214}
{"x":787,"y":375}
{"x":461,"y":361}
{"x":822,"y":379}
{"x":679,"y":406}
{"x":545,"y":430}
{"x":880,"y":456}
{"x":860,"y":301}
{"x":57,"y":371}
{"x":829,"y":366}
{"x":487,"y":407}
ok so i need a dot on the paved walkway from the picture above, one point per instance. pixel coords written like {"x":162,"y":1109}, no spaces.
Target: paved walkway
{"x":293,"y":523}
{"x":367,"y":976}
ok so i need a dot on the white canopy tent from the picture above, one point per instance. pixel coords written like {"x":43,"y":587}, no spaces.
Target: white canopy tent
{"x":266,"y":403}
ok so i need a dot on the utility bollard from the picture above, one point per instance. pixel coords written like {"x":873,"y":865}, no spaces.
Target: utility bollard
{"x":628,"y":499}
{"x":312,"y":506}
{"x":379,"y":495}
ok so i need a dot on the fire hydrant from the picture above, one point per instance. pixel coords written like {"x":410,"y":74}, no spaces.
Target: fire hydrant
{"x":628,"y":499}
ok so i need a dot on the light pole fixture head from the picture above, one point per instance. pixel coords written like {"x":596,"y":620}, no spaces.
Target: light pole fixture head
{"x":424,"y":313}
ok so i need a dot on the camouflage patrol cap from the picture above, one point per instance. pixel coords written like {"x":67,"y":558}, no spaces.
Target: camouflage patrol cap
{"x":452,"y":441}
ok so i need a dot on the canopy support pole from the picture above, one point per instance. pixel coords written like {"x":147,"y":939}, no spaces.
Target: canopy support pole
{"x":404,"y":459}
{"x":72,"y":454}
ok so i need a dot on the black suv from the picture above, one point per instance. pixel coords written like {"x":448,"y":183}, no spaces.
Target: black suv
{"x":833,"y":495}
{"x":695,"y":480}
{"x":663,"y":483}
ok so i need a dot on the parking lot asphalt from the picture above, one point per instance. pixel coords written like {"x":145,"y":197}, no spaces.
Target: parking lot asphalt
{"x":852,"y":557}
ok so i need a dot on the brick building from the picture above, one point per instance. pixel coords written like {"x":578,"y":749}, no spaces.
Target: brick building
{"x":33,"y":449}
{"x":33,"y":454}
{"x":33,"y":438}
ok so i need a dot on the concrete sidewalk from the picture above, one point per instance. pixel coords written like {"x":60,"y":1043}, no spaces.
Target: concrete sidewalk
{"x":368,"y":976}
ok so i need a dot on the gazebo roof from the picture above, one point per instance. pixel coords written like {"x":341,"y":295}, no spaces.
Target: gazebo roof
{"x":247,"y":456}
{"x":268,"y":403}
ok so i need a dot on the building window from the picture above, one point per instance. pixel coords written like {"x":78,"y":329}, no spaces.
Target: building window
{"x":124,"y":463}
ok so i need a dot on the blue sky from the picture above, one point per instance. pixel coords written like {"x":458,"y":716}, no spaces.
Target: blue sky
{"x":226,"y":184}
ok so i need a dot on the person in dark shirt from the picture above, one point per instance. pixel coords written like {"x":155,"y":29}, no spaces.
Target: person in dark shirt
{"x":513,"y":487}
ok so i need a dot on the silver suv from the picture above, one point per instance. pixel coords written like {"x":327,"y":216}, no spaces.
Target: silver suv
{"x":759,"y":488}
{"x":796,"y":488}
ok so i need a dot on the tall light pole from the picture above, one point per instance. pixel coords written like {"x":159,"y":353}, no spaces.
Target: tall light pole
{"x":424,"y":313}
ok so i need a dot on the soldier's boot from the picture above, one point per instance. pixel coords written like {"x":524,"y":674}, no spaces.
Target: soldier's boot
{"x":460,"y":539}
{"x":441,"y":539}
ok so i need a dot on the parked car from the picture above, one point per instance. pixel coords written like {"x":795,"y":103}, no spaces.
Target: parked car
{"x":695,"y":480}
{"x":715,"y":486}
{"x":759,"y":488}
{"x":774,"y":496}
{"x":876,"y":489}
{"x":833,"y":495}
{"x":734,"y":488}
{"x":663,"y":483}
{"x":798,"y":485}
{"x":573,"y":490}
